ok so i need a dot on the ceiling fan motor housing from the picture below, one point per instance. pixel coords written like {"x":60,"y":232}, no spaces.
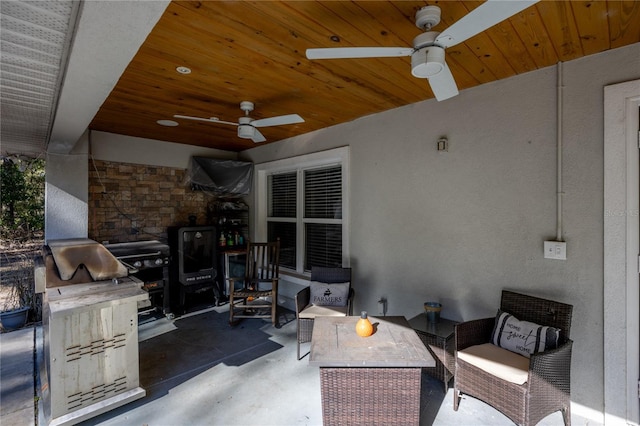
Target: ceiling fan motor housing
{"x":427,"y":61}
{"x":245,"y":129}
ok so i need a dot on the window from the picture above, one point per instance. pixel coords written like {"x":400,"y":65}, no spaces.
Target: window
{"x":302,"y":201}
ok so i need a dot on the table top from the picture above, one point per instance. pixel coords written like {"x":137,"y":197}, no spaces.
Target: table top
{"x":393,"y":344}
{"x":443,"y":328}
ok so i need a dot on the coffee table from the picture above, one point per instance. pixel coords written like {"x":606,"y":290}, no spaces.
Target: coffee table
{"x":369,"y":380}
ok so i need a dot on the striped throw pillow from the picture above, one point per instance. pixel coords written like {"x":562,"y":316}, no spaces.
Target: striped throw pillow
{"x":523,"y":337}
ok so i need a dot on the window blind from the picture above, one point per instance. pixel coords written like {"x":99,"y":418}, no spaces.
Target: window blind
{"x":323,"y":245}
{"x":286,"y":231}
{"x":323,"y":193}
{"x":323,"y":200}
{"x":282,"y":195}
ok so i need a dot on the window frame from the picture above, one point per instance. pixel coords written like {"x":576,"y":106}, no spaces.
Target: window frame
{"x":298,"y":164}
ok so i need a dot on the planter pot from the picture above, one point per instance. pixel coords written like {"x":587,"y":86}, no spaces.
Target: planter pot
{"x":432,"y":310}
{"x":13,"y":320}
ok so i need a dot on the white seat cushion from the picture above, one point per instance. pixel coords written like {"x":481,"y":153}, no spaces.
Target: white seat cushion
{"x":312,"y":311}
{"x":497,"y":361}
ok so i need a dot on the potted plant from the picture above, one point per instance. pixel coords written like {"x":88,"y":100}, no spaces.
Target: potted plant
{"x":18,"y":297}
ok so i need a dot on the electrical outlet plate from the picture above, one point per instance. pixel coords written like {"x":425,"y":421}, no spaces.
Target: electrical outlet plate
{"x":555,"y":250}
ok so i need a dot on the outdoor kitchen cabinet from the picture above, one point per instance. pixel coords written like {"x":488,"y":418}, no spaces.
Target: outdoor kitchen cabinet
{"x":90,"y":348}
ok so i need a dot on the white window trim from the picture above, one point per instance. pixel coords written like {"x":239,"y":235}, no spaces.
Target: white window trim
{"x":316,"y":159}
{"x":621,"y":228}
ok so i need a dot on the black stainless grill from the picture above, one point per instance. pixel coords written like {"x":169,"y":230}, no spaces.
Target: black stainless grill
{"x":148,"y":261}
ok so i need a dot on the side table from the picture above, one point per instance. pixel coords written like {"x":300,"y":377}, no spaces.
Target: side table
{"x":438,"y":338}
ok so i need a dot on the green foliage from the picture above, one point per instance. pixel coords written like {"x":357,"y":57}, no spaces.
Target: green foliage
{"x":21,"y":196}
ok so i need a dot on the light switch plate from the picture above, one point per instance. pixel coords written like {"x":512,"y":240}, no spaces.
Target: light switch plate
{"x":555,"y":250}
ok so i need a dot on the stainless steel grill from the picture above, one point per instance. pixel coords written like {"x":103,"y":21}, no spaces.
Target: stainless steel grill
{"x":90,"y":330}
{"x":149,"y":262}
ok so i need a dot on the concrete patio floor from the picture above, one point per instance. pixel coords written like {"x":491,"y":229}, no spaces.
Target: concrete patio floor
{"x":197,"y":370}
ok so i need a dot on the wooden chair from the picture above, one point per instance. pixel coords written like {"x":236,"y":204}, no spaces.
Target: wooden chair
{"x":258,"y":297}
{"x":548,"y":380}
{"x":306,"y":311}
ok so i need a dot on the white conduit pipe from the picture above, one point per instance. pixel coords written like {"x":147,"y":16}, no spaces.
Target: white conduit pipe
{"x":559,"y":192}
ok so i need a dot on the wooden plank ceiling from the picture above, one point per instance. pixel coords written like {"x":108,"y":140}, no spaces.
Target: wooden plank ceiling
{"x":255,"y":51}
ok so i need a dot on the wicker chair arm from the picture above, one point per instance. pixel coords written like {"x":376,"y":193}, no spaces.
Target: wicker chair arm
{"x":474,"y":332}
{"x":302,"y":299}
{"x":551,"y":370}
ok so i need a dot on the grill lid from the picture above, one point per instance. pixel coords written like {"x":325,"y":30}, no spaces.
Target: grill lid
{"x":69,"y":254}
{"x":138,"y":249}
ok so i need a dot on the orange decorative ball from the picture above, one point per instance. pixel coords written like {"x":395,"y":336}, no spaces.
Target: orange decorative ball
{"x":363,"y":326}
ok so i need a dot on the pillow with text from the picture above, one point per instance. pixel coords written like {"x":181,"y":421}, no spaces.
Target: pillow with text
{"x":324,"y":294}
{"x":523,"y":337}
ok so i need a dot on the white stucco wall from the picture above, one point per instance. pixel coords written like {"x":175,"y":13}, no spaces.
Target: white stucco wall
{"x":129,"y":149}
{"x":66,"y":194}
{"x":458,"y":227}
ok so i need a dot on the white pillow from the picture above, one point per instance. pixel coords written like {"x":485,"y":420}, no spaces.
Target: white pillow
{"x":523,"y":337}
{"x":335,"y":294}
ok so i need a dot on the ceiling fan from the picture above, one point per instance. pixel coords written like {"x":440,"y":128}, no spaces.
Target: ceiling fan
{"x":427,"y":53}
{"x":247,"y":126}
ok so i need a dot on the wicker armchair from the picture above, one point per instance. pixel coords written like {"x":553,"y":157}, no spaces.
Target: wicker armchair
{"x":258,"y":297}
{"x":306,"y":313}
{"x":548,"y":385}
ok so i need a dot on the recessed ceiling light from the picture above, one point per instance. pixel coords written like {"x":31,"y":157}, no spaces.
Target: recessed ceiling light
{"x":183,"y":70}
{"x":167,"y":123}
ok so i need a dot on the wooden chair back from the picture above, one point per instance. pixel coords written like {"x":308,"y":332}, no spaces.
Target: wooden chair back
{"x":263,"y":260}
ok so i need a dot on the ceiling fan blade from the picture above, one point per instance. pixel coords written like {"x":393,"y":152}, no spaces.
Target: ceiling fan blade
{"x":358,"y":52}
{"x":479,"y":19}
{"x":443,"y":85}
{"x":257,"y":136}
{"x":209,"y":120}
{"x":278,"y":121}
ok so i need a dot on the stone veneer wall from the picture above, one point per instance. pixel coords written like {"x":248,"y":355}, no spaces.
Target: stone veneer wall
{"x":130,"y":202}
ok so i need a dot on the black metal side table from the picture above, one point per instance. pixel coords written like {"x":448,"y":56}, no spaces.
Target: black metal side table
{"x":438,"y":338}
